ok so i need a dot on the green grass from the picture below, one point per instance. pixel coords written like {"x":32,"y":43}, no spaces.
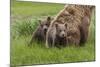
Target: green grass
{"x":21,"y":54}
{"x":23,"y":25}
{"x":22,"y":9}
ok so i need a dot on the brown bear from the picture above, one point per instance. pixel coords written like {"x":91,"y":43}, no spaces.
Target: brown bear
{"x":67,"y":17}
{"x":40,"y":33}
{"x":74,"y":16}
{"x":82,"y":16}
{"x":87,"y":11}
{"x":57,"y":35}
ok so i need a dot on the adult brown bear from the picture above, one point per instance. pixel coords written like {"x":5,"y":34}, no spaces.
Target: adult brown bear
{"x":75,"y":17}
{"x":81,"y":13}
{"x":67,"y":16}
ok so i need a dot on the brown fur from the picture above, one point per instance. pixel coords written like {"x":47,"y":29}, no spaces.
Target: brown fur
{"x":74,"y":16}
{"x":83,"y":14}
{"x":84,"y":28}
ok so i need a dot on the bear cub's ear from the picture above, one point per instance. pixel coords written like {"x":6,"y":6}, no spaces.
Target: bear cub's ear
{"x":40,"y":22}
{"x":48,"y":18}
{"x":66,"y":25}
{"x":56,"y":25}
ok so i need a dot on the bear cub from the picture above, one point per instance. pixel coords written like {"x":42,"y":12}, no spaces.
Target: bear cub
{"x":40,"y":33}
{"x":57,"y":35}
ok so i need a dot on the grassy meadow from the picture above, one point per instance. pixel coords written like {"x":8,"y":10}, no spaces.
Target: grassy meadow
{"x":24,"y":20}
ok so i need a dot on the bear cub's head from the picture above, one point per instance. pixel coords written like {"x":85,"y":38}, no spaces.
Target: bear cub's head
{"x":44,"y":24}
{"x":61,"y":30}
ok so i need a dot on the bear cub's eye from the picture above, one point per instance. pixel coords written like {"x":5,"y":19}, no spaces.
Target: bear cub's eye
{"x":46,"y":24}
{"x":60,"y":30}
{"x":41,"y":25}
